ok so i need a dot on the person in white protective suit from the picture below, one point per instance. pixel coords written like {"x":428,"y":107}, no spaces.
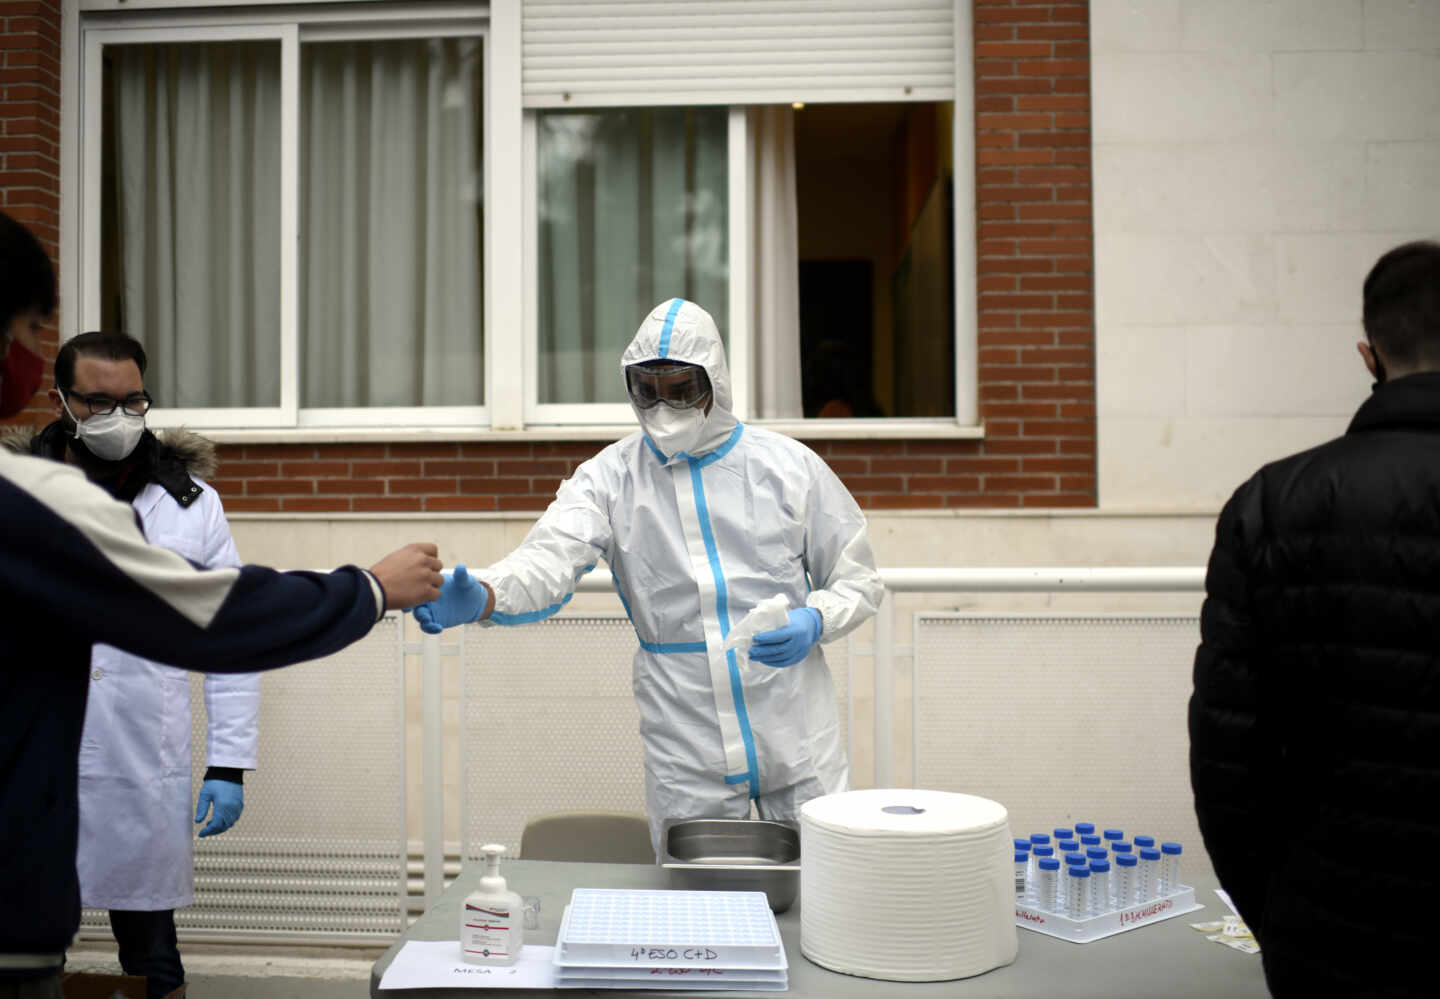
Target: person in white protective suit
{"x":700,"y":518}
{"x":136,"y":852}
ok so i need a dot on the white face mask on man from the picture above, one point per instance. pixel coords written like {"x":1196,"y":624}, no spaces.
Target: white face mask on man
{"x":673,"y":430}
{"x":111,"y":436}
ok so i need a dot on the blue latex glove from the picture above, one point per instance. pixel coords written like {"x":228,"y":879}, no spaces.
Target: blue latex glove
{"x":788,"y":645}
{"x":229,"y":801}
{"x":462,"y":600}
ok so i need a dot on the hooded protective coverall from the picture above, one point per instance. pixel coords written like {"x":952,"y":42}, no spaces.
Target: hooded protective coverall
{"x":694,"y":541}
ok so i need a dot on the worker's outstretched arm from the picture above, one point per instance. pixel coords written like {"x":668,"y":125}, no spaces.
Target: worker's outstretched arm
{"x":73,"y":558}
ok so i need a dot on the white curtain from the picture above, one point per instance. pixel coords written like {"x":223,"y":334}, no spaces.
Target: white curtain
{"x":196,"y":164}
{"x":390,"y":252}
{"x":390,"y":264}
{"x":776,"y":280}
{"x":632,"y":211}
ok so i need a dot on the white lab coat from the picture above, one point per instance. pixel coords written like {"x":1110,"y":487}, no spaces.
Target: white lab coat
{"x":137,"y":826}
{"x":694,"y":542}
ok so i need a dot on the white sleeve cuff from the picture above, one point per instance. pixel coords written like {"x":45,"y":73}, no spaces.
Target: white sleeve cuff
{"x":377,"y":591}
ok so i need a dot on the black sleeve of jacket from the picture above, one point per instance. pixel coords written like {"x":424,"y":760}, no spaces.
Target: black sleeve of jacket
{"x":73,"y":563}
{"x":1228,"y":752}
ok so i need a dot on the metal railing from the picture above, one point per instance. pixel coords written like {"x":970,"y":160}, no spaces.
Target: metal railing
{"x":883,"y":649}
{"x":343,"y":882}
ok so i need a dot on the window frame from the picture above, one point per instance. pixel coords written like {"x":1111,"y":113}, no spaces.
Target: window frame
{"x":292,"y":29}
{"x":510,"y":410}
{"x":740,"y":342}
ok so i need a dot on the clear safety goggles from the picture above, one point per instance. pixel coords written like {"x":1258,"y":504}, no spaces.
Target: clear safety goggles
{"x":679,"y":386}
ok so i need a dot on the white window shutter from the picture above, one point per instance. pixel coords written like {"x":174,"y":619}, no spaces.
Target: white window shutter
{"x":615,"y":53}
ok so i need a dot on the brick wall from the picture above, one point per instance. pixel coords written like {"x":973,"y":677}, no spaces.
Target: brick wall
{"x":1036,"y":336}
{"x":1037,"y":332}
{"x":30,"y":136}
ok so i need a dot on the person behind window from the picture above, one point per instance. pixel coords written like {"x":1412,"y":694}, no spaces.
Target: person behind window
{"x":700,"y":518}
{"x":1315,"y":719}
{"x":76,"y":570}
{"x":136,"y":856}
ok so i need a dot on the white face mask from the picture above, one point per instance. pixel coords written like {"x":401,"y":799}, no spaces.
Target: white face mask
{"x":111,"y":436}
{"x":672,"y":430}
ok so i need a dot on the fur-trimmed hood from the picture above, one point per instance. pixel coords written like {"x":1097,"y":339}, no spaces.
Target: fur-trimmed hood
{"x":174,"y":458}
{"x":194,"y":453}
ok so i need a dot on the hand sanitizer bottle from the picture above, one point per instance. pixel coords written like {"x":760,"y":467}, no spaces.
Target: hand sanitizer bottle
{"x":492,"y":928}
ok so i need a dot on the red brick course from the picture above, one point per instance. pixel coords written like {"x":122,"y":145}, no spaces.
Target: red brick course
{"x":1036,"y":307}
{"x":30,"y":139}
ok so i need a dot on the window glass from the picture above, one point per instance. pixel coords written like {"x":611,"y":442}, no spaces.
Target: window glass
{"x":391,"y":223}
{"x":876,"y":259}
{"x":190,"y":220}
{"x":633,"y":210}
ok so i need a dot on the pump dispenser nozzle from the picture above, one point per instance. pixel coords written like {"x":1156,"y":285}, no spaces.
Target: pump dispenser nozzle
{"x":491,"y":879}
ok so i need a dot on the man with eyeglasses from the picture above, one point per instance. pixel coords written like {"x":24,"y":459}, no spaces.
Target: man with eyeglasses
{"x":700,"y":519}
{"x":136,"y":853}
{"x":75,"y":570}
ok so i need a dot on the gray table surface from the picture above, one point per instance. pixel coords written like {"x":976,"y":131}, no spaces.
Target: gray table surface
{"x":1161,"y":959}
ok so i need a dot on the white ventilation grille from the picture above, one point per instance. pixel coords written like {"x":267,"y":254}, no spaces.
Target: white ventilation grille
{"x":548,"y":723}
{"x":1060,"y":718}
{"x":308,"y":860}
{"x":653,"y":52}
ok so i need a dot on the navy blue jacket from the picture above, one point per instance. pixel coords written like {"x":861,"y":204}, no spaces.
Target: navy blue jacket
{"x":1315,"y":721}
{"x":75,"y":570}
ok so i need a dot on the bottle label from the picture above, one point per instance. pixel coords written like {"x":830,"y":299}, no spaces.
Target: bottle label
{"x":487,"y":931}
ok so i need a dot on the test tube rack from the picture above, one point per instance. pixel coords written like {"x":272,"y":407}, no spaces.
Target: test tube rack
{"x":1107,"y":924}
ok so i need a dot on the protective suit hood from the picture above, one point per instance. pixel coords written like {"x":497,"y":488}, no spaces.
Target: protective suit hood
{"x":679,"y":330}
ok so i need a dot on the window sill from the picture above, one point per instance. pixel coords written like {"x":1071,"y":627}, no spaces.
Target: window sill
{"x":800,"y":429}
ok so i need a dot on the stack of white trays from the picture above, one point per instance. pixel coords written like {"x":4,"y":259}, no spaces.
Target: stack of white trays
{"x":612,"y":938}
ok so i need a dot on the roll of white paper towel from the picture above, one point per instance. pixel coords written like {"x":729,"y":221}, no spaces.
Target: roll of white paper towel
{"x":907,"y":885}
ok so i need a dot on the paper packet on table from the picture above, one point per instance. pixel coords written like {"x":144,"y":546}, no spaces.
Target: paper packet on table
{"x":1230,"y":931}
{"x":767,"y":615}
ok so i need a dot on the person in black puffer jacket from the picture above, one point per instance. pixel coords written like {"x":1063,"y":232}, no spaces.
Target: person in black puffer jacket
{"x":1315,"y":720}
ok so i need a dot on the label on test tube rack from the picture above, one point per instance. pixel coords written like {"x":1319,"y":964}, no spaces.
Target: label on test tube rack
{"x":1088,"y":896}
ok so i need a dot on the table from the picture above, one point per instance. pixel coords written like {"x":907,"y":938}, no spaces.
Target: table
{"x":1166,"y":958}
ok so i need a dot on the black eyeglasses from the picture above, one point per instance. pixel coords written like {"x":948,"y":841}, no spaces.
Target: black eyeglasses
{"x":136,"y":403}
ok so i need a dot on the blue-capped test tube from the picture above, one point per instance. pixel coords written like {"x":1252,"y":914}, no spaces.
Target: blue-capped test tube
{"x":1084,"y":829}
{"x":1022,"y":843}
{"x":1077,"y":892}
{"x":1032,"y":870}
{"x":1100,"y":899}
{"x":1096,"y":853}
{"x":1169,"y":868}
{"x":1047,"y":887}
{"x":1114,"y":835}
{"x":1022,"y":862}
{"x":1039,"y":839}
{"x":1127,"y":875}
{"x":1119,"y":846}
{"x":1063,"y":833}
{"x":1143,"y":841}
{"x":1149,"y":872}
{"x":1087,"y":840}
{"x":1068,"y":845}
{"x":1072,"y":859}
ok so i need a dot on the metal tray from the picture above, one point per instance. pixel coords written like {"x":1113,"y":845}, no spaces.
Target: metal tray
{"x":734,"y":855}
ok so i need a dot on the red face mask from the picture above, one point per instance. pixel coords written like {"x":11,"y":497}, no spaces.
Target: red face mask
{"x":20,"y":375}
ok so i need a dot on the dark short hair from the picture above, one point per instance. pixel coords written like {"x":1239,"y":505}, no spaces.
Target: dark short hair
{"x":105,"y":346}
{"x":1402,"y":305}
{"x":27,"y":278}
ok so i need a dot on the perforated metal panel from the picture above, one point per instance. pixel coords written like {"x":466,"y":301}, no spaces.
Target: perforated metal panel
{"x":549,"y":723}
{"x":1059,"y":718}
{"x":319,"y":852}
{"x":837,"y":657}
